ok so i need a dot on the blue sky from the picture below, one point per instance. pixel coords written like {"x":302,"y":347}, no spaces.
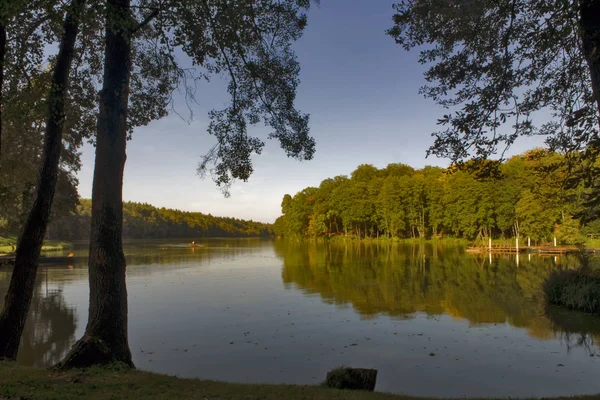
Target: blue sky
{"x":361,"y":90}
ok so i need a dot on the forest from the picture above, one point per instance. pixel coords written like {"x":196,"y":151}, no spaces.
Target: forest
{"x":526,"y":197}
{"x":144,"y":221}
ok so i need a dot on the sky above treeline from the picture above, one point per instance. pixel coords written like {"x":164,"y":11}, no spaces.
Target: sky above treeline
{"x":361,"y":90}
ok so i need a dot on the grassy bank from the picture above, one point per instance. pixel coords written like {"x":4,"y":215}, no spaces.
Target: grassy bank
{"x":28,"y":383}
{"x":9,"y":244}
{"x":575,"y":289}
{"x":18,"y":382}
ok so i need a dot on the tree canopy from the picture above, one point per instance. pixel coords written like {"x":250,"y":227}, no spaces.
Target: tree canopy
{"x":143,"y":221}
{"x":505,"y":69}
{"x":527,"y":199}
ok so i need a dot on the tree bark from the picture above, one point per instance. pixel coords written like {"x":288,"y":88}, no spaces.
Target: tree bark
{"x":105,"y":338}
{"x":2,"y":58}
{"x":20,"y":291}
{"x":590,"y":27}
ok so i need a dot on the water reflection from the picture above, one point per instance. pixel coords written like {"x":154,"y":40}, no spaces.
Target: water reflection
{"x":50,"y":327}
{"x":401,"y":280}
{"x":575,"y":329}
{"x":281,"y":312}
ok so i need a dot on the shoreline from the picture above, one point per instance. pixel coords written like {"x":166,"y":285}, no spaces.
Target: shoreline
{"x":19,"y":382}
{"x":590,"y":246}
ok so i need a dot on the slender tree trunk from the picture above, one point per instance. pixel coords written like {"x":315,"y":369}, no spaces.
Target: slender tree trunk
{"x":2,"y":58}
{"x":105,"y":338}
{"x":590,"y":26}
{"x":20,"y":291}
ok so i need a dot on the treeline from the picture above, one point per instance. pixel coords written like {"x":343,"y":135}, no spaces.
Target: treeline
{"x":143,"y":221}
{"x":526,"y":196}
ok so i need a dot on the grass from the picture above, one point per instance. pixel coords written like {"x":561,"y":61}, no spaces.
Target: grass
{"x":8,"y":245}
{"x":575,"y":289}
{"x":17,"y":382}
{"x":592,"y":243}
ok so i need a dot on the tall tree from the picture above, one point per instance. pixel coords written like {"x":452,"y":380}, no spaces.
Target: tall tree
{"x":251,"y":42}
{"x":497,"y":64}
{"x":20,"y":292}
{"x":105,"y":339}
{"x":2,"y":58}
{"x":24,"y":128}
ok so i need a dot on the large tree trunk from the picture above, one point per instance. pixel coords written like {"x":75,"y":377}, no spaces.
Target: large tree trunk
{"x":590,"y":26}
{"x":105,"y":337}
{"x":2,"y":58}
{"x":20,"y":291}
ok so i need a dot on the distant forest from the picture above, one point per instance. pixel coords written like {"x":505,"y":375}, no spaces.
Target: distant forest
{"x":526,"y":197}
{"x":142,"y":221}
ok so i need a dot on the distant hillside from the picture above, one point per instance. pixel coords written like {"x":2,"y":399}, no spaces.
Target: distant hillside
{"x":142,"y":221}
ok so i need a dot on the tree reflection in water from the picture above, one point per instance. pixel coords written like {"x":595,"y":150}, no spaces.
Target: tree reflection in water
{"x":401,"y":280}
{"x":50,"y":327}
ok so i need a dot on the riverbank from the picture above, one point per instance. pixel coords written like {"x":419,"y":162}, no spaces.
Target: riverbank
{"x":590,"y":245}
{"x":17,"y":382}
{"x":8,"y":245}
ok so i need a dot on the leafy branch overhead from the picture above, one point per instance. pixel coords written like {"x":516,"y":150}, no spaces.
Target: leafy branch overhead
{"x":248,"y":41}
{"x":506,"y":68}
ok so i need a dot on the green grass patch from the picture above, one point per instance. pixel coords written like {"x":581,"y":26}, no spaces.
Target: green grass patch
{"x":17,"y":382}
{"x":577,"y":289}
{"x":9,"y":244}
{"x":53,"y":245}
{"x":592,"y":243}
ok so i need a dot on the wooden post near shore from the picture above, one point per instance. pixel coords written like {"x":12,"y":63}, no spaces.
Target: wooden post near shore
{"x":528,"y":242}
{"x":554,"y":241}
{"x":517,"y":244}
{"x":490,"y":243}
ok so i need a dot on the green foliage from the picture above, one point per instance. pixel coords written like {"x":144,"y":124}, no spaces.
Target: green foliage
{"x":33,"y":27}
{"x":247,"y":42}
{"x":24,"y":120}
{"x":494,"y":65}
{"x":141,"y":221}
{"x":574,"y":289}
{"x":526,"y":199}
{"x":569,"y":232}
{"x":505,"y":69}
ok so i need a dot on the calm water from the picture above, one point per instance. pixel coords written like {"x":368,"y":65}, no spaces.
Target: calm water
{"x":433,"y":320}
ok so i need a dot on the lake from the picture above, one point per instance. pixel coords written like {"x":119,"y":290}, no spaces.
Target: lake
{"x":433,"y":320}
